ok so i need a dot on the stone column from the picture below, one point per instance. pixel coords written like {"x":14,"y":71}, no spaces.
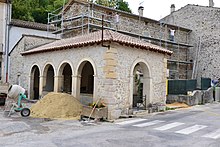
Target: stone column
{"x":95,"y":96}
{"x":74,"y":85}
{"x":78,"y":82}
{"x":131,"y":90}
{"x":41,"y":85}
{"x":56,"y":84}
{"x":147,"y":89}
{"x":30,"y":89}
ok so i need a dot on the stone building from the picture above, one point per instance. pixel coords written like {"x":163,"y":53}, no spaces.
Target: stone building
{"x":17,"y":63}
{"x":81,"y":17}
{"x":205,"y":38}
{"x":90,"y":68}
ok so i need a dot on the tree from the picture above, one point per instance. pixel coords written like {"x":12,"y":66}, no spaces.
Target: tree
{"x":34,"y":10}
{"x":37,"y":10}
{"x":122,"y":5}
{"x":117,"y":4}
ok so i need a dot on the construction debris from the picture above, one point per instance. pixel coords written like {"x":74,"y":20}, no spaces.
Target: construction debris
{"x":56,"y":106}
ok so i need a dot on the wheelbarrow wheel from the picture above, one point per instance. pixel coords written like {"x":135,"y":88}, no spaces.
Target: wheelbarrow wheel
{"x":25,"y":112}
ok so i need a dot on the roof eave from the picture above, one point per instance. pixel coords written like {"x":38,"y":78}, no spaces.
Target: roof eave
{"x":98,"y":42}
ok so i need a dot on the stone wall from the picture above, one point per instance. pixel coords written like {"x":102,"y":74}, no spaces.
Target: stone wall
{"x":17,"y":61}
{"x":198,"y":97}
{"x":113,"y":71}
{"x":127,"y":22}
{"x":132,"y":24}
{"x":204,"y":23}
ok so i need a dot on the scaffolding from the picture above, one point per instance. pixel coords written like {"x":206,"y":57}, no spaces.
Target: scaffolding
{"x":89,"y":19}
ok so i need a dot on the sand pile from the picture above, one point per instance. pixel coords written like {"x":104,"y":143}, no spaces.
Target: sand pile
{"x":177,"y":105}
{"x":57,"y":105}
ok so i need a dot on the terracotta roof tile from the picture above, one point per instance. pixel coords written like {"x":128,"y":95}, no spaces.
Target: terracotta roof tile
{"x":95,"y":37}
{"x":31,"y":25}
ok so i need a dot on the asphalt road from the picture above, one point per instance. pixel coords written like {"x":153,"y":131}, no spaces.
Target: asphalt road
{"x":198,"y":126}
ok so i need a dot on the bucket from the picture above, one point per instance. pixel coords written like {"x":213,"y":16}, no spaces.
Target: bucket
{"x":14,"y":91}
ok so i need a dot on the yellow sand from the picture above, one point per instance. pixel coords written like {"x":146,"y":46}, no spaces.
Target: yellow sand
{"x":177,"y":105}
{"x":57,"y":105}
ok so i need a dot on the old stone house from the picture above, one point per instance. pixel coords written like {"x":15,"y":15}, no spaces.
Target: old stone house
{"x":205,"y":38}
{"x":17,"y":63}
{"x":90,"y":68}
{"x":82,"y":17}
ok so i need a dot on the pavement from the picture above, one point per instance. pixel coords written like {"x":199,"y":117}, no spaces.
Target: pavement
{"x":197,"y":126}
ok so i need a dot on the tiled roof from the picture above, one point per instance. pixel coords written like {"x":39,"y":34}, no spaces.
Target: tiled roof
{"x":31,"y":25}
{"x":3,"y":1}
{"x":96,"y":38}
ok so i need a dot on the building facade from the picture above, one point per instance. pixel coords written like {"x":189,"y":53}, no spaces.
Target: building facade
{"x":81,"y":17}
{"x":205,"y":26}
{"x":90,"y":68}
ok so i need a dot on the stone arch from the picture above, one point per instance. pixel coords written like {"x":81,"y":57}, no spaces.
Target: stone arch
{"x":86,"y":81}
{"x":48,"y":77}
{"x":140,"y":82}
{"x":64,"y":76}
{"x":79,"y":66}
{"x":34,"y":88}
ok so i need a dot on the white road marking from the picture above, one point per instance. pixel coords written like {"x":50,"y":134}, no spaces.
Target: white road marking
{"x":190,"y":130}
{"x":130,"y":121}
{"x":169,"y":126}
{"x":213,"y":135}
{"x":148,"y":123}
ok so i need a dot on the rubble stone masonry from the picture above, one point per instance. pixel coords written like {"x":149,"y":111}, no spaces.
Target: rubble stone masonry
{"x":130,"y":24}
{"x":205,"y":36}
{"x":113,"y":71}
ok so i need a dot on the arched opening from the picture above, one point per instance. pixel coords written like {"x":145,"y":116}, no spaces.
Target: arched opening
{"x":35,"y":82}
{"x":49,"y":79}
{"x":86,"y":72}
{"x":141,"y":86}
{"x":65,"y":78}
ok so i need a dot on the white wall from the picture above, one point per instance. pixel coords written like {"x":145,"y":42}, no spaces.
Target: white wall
{"x":3,"y":10}
{"x":2,"y":23}
{"x":17,"y":32}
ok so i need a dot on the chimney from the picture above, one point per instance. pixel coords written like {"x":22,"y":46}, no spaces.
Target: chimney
{"x":211,"y":3}
{"x":141,"y":11}
{"x":172,"y":8}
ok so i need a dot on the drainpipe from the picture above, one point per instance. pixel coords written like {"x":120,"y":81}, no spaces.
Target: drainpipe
{"x":8,"y":18}
{"x":103,"y":34}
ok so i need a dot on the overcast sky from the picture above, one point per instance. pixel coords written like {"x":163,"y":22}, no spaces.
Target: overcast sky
{"x":157,"y":9}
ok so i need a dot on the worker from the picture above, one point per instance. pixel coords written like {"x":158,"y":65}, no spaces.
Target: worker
{"x":117,"y":20}
{"x":172,"y":33}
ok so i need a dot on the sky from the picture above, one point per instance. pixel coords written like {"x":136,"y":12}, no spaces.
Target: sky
{"x":157,"y":9}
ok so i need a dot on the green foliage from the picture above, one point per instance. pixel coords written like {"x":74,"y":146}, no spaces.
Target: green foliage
{"x":117,"y":4}
{"x":34,"y":10}
{"x":138,"y":83}
{"x":37,"y":10}
{"x":169,"y":108}
{"x":99,"y":105}
{"x":122,"y":5}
